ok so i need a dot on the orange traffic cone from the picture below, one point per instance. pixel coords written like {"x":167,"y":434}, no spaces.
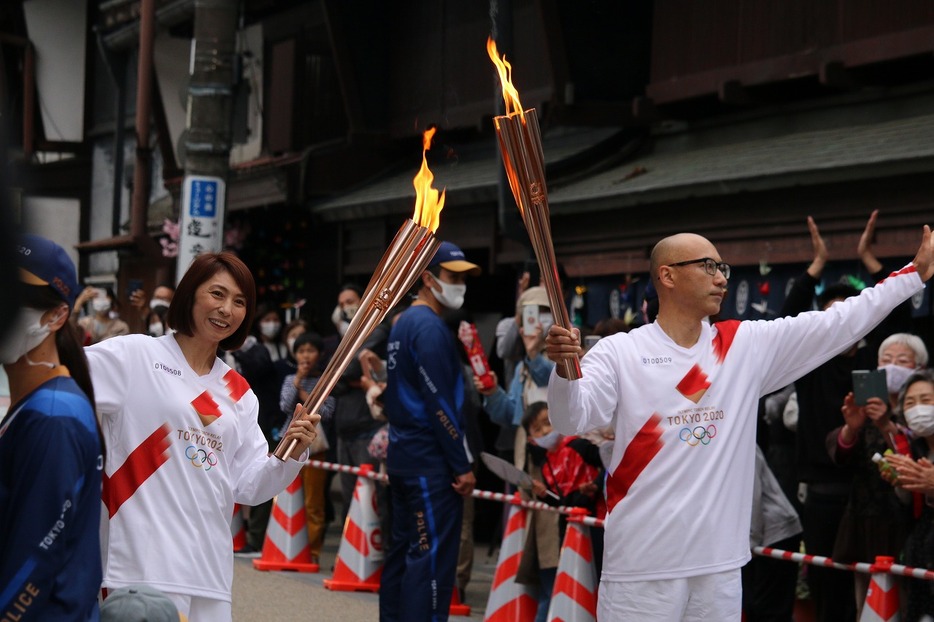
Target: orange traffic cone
{"x":510,"y":601}
{"x":457,"y":607}
{"x":882,"y":598}
{"x":574,"y":598}
{"x":237,"y":529}
{"x":286,"y":545}
{"x":360,"y":556}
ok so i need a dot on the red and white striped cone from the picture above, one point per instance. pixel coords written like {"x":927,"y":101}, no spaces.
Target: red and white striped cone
{"x":360,"y":556}
{"x":510,"y":601}
{"x":286,"y":546}
{"x":237,"y":529}
{"x":574,"y":598}
{"x":882,"y":598}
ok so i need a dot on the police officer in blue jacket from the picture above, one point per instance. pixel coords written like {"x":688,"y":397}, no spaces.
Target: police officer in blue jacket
{"x":428,"y":462}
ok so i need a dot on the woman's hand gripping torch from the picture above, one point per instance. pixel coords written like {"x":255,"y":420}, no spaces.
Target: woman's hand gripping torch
{"x":402,"y":264}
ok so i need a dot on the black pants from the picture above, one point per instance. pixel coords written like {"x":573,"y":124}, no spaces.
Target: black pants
{"x":832,"y":590}
{"x":769,"y":585}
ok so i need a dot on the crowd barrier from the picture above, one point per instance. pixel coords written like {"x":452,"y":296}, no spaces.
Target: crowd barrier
{"x":360,"y":556}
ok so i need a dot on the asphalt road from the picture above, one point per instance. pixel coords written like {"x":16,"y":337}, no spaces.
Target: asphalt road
{"x":290,"y":596}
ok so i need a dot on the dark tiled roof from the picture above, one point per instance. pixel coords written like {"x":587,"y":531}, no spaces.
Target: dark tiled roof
{"x":673,"y":169}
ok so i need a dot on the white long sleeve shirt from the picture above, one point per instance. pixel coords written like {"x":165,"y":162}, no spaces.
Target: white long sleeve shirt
{"x":680,"y":479}
{"x":181,"y":449}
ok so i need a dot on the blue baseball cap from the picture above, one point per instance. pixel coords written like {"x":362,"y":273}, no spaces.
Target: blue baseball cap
{"x":450,"y":257}
{"x":43,"y":262}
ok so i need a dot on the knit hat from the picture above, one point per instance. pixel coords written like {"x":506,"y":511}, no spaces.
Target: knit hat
{"x":43,"y":262}
{"x":139,"y":603}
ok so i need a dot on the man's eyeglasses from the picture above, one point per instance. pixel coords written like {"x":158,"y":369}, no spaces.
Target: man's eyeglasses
{"x":710,"y":266}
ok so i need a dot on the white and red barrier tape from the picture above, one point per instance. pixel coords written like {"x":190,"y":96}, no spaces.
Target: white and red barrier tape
{"x":574,"y":514}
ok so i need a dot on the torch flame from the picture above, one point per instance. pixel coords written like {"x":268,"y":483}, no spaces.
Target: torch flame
{"x":428,"y":204}
{"x":510,"y":94}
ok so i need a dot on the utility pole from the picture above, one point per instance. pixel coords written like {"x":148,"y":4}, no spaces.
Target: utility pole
{"x":207,"y":146}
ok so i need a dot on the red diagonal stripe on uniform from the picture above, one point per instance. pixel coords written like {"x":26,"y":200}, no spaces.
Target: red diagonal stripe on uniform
{"x":506,"y":570}
{"x":206,"y":407}
{"x":565,"y":583}
{"x":639,"y":453}
{"x":906,"y":270}
{"x":356,"y":537}
{"x":693,"y":382}
{"x":236,"y":385}
{"x":726,"y":331}
{"x":139,"y":465}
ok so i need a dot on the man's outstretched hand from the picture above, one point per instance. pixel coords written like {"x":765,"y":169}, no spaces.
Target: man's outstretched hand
{"x":924,"y":260}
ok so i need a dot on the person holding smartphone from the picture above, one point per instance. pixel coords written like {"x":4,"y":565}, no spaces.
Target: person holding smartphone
{"x":105,"y":321}
{"x":875,"y":522}
{"x":682,"y":394}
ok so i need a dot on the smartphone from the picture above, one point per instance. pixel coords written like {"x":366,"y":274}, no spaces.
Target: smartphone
{"x":382,"y":375}
{"x":868,"y":384}
{"x":133,"y":285}
{"x":529,"y":319}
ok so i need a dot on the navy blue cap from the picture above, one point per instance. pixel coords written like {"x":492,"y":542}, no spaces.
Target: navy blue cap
{"x":450,"y":257}
{"x":43,"y":262}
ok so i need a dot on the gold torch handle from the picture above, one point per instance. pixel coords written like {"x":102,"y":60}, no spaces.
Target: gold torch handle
{"x":402,"y":263}
{"x":521,"y":146}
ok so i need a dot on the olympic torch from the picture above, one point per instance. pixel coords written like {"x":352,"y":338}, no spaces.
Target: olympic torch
{"x":520,"y":143}
{"x":401,"y":265}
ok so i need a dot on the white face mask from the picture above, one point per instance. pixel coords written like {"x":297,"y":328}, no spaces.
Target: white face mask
{"x":269,"y":329}
{"x":159,"y":303}
{"x":100,"y":305}
{"x":25,"y":334}
{"x":895,"y":376}
{"x":349,"y":311}
{"x":920,"y":419}
{"x":548,"y":441}
{"x":451,"y":295}
{"x":156,"y":330}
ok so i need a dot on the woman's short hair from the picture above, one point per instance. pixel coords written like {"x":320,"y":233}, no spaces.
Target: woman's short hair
{"x":920,"y":375}
{"x":912,"y":341}
{"x":202,"y":269}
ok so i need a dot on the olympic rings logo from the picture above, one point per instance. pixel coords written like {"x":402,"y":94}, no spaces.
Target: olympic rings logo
{"x":200,"y":458}
{"x":699,"y":435}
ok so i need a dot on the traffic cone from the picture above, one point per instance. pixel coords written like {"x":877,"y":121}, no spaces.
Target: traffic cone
{"x":286,"y":545}
{"x":457,"y":607}
{"x":882,"y":598}
{"x":360,"y":555}
{"x":237,"y":529}
{"x":510,"y":601}
{"x":574,"y":598}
